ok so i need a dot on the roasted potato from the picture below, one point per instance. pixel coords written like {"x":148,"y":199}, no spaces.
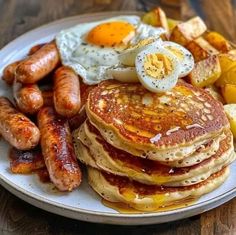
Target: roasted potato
{"x":172,"y":23}
{"x":228,"y":70}
{"x":227,"y":61}
{"x":215,"y":92}
{"x":230,"y":110}
{"x":229,"y":93}
{"x":218,"y":41}
{"x":156,"y":17}
{"x":201,"y":49}
{"x":228,"y":77}
{"x":185,"y":32}
{"x":205,"y":72}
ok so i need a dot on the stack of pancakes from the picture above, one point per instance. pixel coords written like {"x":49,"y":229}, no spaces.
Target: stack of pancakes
{"x":150,"y":150}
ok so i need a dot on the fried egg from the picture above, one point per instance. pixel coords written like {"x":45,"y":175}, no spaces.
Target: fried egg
{"x":90,"y":49}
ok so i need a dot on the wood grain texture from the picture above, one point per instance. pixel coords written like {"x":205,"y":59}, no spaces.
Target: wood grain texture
{"x":19,"y":16}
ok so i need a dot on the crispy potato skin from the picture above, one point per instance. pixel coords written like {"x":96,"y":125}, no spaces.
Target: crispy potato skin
{"x":157,"y":18}
{"x":185,"y":32}
{"x":218,"y":41}
{"x":201,"y":49}
{"x":38,"y":65}
{"x":205,"y":72}
{"x":16,"y":128}
{"x":58,"y":150}
{"x":66,"y":92}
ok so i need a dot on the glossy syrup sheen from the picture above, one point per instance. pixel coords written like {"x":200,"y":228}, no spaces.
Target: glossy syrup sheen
{"x":138,"y":115}
{"x":125,"y":209}
{"x":149,"y":166}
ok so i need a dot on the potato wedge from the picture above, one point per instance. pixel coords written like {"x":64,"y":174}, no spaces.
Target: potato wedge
{"x":218,"y":41}
{"x":157,"y":18}
{"x":227,"y":61}
{"x":201,"y":49}
{"x":172,"y":23}
{"x":205,"y":72}
{"x":230,"y":110}
{"x":215,"y":92}
{"x":185,"y":32}
{"x":229,"y":93}
{"x":228,"y":77}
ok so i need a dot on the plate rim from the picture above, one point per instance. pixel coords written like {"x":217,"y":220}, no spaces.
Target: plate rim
{"x":9,"y":184}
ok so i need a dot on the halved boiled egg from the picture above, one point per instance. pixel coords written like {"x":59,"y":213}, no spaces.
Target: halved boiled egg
{"x":128,"y":56}
{"x":184,"y":56}
{"x":158,"y":69}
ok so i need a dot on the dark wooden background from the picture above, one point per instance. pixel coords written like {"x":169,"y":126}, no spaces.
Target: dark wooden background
{"x":19,"y":16}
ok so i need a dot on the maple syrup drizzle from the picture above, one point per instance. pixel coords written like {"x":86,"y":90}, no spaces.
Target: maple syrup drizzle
{"x":126,"y":209}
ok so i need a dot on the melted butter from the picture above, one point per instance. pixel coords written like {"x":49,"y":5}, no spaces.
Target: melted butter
{"x":126,"y":209}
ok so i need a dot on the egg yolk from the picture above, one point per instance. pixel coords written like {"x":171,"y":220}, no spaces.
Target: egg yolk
{"x":111,"y":34}
{"x":157,"y":65}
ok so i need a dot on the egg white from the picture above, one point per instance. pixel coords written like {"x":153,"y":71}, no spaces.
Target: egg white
{"x":90,"y":61}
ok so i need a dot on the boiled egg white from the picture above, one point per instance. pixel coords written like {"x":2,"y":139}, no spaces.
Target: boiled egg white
{"x":184,"y":56}
{"x":157,"y":69}
{"x":128,"y":56}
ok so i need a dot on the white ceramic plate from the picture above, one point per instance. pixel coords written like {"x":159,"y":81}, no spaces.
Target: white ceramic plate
{"x":84,"y":204}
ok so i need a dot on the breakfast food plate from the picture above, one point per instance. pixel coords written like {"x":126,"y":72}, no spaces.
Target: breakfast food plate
{"x":83,"y":203}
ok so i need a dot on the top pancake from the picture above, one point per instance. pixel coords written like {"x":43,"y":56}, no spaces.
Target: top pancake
{"x":141,"y":118}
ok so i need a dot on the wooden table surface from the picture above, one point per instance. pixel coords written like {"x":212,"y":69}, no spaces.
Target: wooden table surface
{"x":19,"y":16}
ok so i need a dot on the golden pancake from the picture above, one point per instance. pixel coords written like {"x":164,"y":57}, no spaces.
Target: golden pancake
{"x":97,"y":153}
{"x":148,"y":197}
{"x":164,"y":127}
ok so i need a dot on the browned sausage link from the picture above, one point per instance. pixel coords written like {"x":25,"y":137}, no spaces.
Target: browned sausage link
{"x":38,"y":65}
{"x":9,"y":72}
{"x":66,"y":90}
{"x":47,"y":98}
{"x":35,"y":48}
{"x":28,"y":97}
{"x":16,"y":128}
{"x":58,"y":151}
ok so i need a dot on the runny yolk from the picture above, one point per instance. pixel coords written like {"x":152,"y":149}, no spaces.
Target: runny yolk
{"x":111,"y":34}
{"x":157,"y":65}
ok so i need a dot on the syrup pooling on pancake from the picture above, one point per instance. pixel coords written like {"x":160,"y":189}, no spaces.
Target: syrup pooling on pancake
{"x":149,"y":198}
{"x":119,"y":162}
{"x":140,"y":118}
{"x":154,"y":167}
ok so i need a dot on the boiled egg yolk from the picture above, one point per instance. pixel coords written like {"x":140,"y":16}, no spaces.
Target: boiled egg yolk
{"x":111,"y":34}
{"x":157,"y":65}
